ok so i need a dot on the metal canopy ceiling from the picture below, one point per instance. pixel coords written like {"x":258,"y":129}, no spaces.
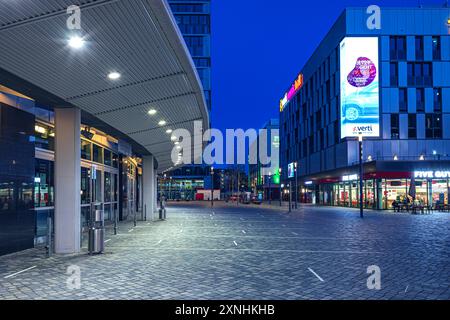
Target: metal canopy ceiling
{"x":138,"y":38}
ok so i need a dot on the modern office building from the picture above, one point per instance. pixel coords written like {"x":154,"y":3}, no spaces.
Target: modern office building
{"x":86,"y":115}
{"x":265,"y":183}
{"x":194,"y":21}
{"x":391,"y":85}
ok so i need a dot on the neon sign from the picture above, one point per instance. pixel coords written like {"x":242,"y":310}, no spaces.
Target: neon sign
{"x":432,"y":174}
{"x":296,"y":86}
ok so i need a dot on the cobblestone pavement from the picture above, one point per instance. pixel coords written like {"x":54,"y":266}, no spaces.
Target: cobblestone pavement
{"x":236,"y":252}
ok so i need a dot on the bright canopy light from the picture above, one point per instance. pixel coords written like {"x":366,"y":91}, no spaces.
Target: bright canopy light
{"x":162,"y":123}
{"x":76,"y":42}
{"x":114,"y":75}
{"x":152,"y":112}
{"x":169,"y":131}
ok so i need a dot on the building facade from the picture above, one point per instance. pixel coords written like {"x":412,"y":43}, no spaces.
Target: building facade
{"x":194,"y":20}
{"x":77,"y":137}
{"x":261,"y":182}
{"x":412,"y":113}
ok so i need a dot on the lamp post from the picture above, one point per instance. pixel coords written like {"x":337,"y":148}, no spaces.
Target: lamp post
{"x":212,"y":186}
{"x":361,"y":181}
{"x":296,"y":185}
{"x":281,"y":195}
{"x":270,"y":189}
{"x":290,"y":197}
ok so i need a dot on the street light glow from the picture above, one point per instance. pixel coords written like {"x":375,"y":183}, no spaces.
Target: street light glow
{"x":76,"y":42}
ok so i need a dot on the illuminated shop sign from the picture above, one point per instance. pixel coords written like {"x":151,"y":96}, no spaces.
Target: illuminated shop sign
{"x":296,"y":86}
{"x":432,"y":174}
{"x":308,"y":183}
{"x":352,"y":177}
{"x":360,"y":89}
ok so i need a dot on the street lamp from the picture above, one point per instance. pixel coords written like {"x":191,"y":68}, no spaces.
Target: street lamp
{"x":281,"y":195}
{"x":270,"y":189}
{"x":212,"y":186}
{"x":290,"y":197}
{"x":361,"y":181}
{"x":296,"y":185}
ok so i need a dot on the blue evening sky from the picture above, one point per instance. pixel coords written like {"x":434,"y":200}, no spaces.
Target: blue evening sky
{"x":259,"y":47}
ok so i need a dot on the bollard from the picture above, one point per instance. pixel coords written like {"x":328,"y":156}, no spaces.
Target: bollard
{"x":145,"y":212}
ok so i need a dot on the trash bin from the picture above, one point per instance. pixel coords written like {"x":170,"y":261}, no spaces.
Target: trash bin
{"x":162,"y":210}
{"x":97,"y":233}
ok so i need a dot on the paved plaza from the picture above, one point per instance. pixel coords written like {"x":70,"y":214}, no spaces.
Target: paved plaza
{"x":248,"y":252}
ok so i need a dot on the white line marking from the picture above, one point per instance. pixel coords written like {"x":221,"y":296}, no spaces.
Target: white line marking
{"x":131,"y":230}
{"x":159,"y":242}
{"x":106,"y":241}
{"x":243,"y":231}
{"x":17,"y":273}
{"x":318,"y":277}
{"x":406,"y":288}
{"x":235,"y":243}
{"x":295,"y":233}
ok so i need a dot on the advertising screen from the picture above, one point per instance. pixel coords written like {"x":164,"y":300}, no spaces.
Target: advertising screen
{"x":291,"y":171}
{"x":360,"y":98}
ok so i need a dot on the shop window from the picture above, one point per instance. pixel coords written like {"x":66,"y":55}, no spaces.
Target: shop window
{"x":85,"y":186}
{"x":86,"y":152}
{"x":44,"y":136}
{"x":115,"y":160}
{"x":108,"y":158}
{"x":43,"y":184}
{"x":97,"y":153}
{"x":108,"y":187}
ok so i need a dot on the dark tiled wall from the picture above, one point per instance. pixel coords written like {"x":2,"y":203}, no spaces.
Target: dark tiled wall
{"x":17,"y":218}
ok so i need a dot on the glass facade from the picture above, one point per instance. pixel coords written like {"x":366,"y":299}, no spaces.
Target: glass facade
{"x":380,"y":194}
{"x":194,"y":20}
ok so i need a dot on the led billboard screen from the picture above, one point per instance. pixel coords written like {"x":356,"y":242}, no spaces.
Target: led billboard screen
{"x":360,"y":87}
{"x":291,"y":170}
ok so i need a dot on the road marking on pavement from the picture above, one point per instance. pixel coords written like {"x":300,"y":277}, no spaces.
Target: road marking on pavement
{"x":295,"y":233}
{"x":17,"y":273}
{"x":235,"y":243}
{"x":318,"y":277}
{"x":131,"y":230}
{"x":406,"y":288}
{"x":159,"y":242}
{"x":106,"y":241}
{"x":243,"y":231}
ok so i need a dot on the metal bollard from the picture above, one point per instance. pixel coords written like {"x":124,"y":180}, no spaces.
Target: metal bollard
{"x":145,"y":212}
{"x":135,"y":217}
{"x":115,"y":224}
{"x":49,"y":249}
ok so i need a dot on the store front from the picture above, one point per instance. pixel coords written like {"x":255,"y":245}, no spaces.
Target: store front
{"x":428,"y":181}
